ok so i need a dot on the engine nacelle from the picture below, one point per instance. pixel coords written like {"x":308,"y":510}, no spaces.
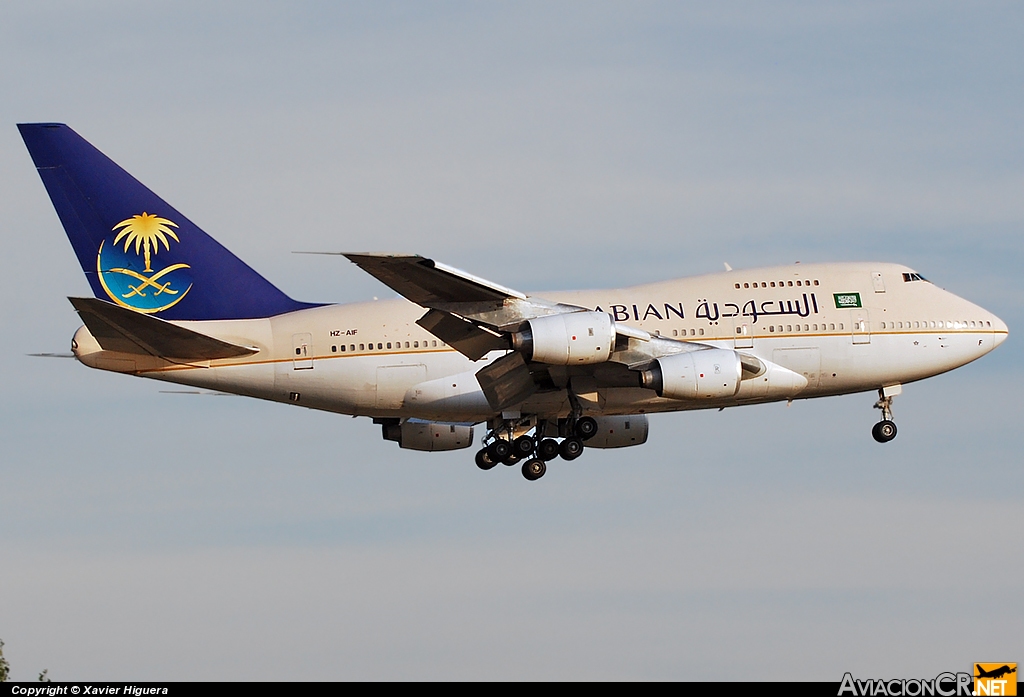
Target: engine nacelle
{"x":575,"y":338}
{"x":429,"y":435}
{"x":619,"y":431}
{"x":705,"y":374}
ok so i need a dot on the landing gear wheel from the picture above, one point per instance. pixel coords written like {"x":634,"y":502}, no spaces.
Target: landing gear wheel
{"x":511,"y":459}
{"x":499,"y":450}
{"x":523,"y":446}
{"x":534,"y":469}
{"x":571,"y":448}
{"x":884,"y":431}
{"x":483,"y":459}
{"x":586,"y":428}
{"x":548,"y":449}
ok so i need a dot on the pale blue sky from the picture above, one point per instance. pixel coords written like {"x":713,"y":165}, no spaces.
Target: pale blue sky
{"x":543,"y":145}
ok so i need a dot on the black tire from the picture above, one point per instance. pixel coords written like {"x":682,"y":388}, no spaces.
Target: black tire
{"x":571,"y":448}
{"x":483,"y":460}
{"x":499,"y":450}
{"x":511,"y":459}
{"x":534,"y":469}
{"x":523,"y":446}
{"x":548,"y":449}
{"x":884,"y":431}
{"x":586,"y":428}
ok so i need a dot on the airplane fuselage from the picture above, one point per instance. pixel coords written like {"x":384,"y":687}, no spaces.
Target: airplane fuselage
{"x":846,"y":327}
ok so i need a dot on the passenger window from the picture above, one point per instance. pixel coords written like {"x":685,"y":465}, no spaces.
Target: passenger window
{"x":407,"y":344}
{"x":773,"y":284}
{"x":379,"y":346}
{"x":352,"y":347}
{"x":746,"y":285}
{"x":771,"y":329}
{"x":701,"y":332}
{"x":415,"y":344}
{"x":334,"y":349}
{"x":789,"y":283}
{"x":815,"y":281}
{"x":361,"y":347}
{"x":832,"y":327}
{"x":789,"y":327}
{"x":435,"y":343}
{"x":389,"y":344}
{"x":343,"y":348}
{"x":298,"y":352}
{"x":737,"y":285}
{"x":840,"y":326}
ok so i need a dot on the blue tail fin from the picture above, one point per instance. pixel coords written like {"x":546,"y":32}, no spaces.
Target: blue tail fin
{"x":135,"y":249}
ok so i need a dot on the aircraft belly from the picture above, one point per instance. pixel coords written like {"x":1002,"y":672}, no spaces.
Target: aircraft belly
{"x":455,"y":397}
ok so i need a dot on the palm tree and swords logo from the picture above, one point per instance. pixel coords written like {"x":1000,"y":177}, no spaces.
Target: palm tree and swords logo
{"x":144,"y":290}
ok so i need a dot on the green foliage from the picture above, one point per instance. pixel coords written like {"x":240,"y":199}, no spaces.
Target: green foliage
{"x":5,"y":667}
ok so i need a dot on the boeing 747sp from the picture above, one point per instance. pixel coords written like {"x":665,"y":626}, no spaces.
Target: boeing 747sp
{"x":549,"y":376}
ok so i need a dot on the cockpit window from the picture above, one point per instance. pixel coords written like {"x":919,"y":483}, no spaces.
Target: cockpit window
{"x":908,"y":277}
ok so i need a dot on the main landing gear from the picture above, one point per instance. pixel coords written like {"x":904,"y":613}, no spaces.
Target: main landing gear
{"x":885,"y":430}
{"x":537,"y":450}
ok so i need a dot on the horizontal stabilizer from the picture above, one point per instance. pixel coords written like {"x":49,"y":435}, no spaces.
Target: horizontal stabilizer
{"x":126,"y":331}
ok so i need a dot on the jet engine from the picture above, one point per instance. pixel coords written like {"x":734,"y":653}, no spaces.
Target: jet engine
{"x":619,"y":431}
{"x":576,"y":338}
{"x":429,"y":436}
{"x":705,"y":374}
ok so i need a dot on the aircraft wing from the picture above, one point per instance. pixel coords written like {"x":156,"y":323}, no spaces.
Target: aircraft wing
{"x":427,"y":282}
{"x":126,"y":331}
{"x":469,"y":313}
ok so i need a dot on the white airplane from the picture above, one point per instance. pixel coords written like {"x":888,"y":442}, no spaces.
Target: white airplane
{"x":548,"y":376}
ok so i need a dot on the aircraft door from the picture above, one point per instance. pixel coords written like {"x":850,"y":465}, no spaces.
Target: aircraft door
{"x":302,"y":358}
{"x":861,"y":326}
{"x":743,"y":335}
{"x":877,"y":282}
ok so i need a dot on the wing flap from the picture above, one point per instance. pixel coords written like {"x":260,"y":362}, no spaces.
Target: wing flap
{"x":506,"y":382}
{"x":126,"y":331}
{"x":470,"y":340}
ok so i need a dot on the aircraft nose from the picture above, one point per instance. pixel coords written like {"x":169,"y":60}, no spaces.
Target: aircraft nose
{"x":999,"y":331}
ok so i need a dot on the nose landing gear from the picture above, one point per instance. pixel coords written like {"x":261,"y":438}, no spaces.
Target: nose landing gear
{"x":885,"y":430}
